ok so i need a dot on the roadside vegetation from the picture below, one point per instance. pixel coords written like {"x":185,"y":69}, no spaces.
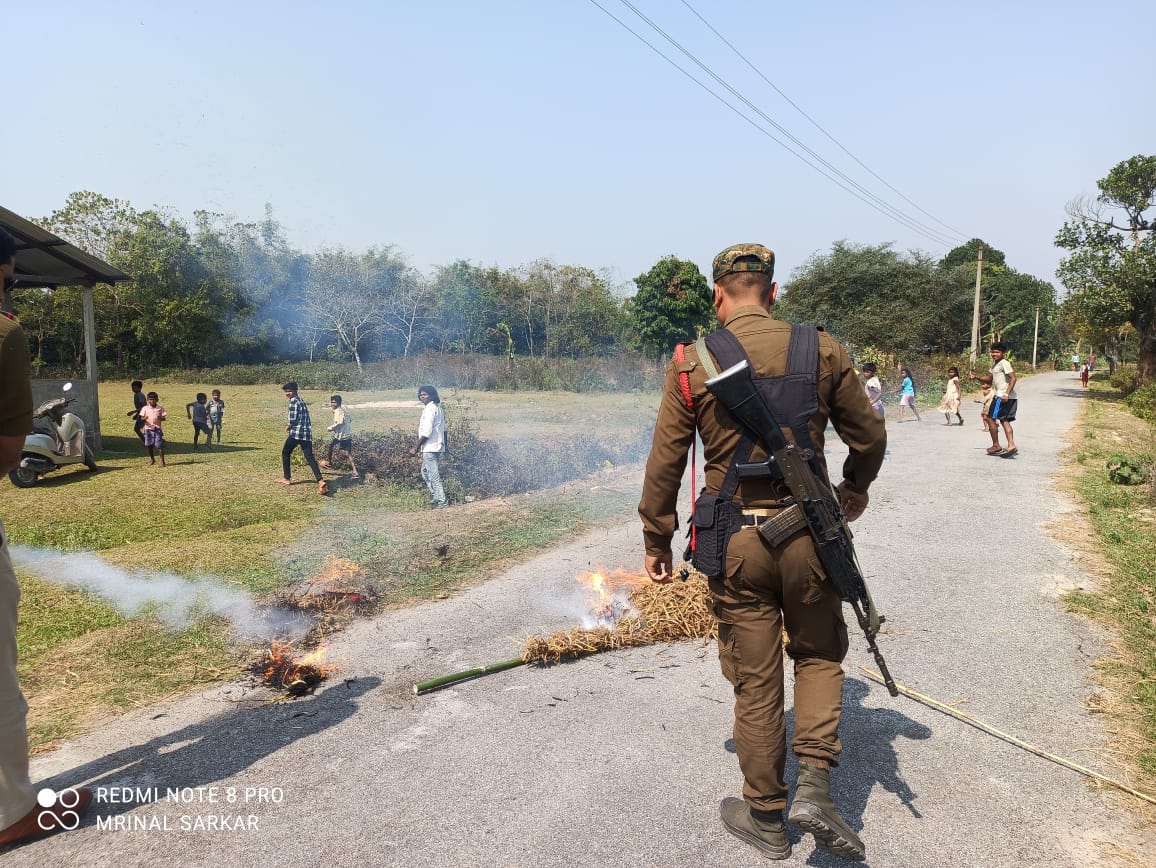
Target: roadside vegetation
{"x":1113,"y":475}
{"x":222,"y":514}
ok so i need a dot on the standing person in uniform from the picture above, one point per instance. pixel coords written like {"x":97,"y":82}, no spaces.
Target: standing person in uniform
{"x":431,"y":442}
{"x":22,"y":814}
{"x":300,"y":434}
{"x":763,"y":588}
{"x":1003,"y":408}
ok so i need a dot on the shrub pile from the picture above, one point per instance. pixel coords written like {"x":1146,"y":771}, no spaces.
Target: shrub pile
{"x":478,"y":468}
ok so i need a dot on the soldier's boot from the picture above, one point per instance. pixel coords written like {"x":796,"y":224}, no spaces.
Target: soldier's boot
{"x":813,"y":811}
{"x":763,"y":830}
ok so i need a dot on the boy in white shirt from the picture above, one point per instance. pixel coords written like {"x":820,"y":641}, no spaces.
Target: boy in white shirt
{"x":1003,"y":408}
{"x":342,"y":438}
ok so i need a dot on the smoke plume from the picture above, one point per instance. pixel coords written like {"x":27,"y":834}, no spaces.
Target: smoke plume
{"x":173,"y":599}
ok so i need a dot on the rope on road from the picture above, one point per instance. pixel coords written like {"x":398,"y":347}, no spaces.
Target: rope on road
{"x":1011,"y":739}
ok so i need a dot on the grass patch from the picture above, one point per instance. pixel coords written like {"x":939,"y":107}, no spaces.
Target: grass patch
{"x":222,"y":514}
{"x":1123,"y":518}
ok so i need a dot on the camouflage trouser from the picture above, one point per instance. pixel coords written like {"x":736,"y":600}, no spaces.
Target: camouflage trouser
{"x":17,"y":796}
{"x":764,"y":590}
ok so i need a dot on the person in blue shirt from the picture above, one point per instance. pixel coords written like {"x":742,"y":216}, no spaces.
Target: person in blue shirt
{"x":907,"y":395}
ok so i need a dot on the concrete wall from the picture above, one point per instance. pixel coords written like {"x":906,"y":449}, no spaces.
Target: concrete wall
{"x":83,"y":395}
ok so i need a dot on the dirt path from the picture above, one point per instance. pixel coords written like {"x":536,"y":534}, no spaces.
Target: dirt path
{"x":618,"y":759}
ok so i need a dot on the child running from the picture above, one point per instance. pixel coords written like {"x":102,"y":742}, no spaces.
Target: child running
{"x":341,"y":436}
{"x":951,"y":396}
{"x":198,"y":412}
{"x":300,"y":434}
{"x":216,"y":411}
{"x":138,"y":401}
{"x":153,"y":415}
{"x":907,"y":398}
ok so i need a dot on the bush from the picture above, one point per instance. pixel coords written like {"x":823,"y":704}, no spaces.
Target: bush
{"x":1142,"y":402}
{"x":481,"y":468}
{"x":1128,"y":471}
{"x":1124,"y":380}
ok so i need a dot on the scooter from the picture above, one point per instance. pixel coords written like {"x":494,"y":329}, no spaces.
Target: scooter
{"x":57,"y":440}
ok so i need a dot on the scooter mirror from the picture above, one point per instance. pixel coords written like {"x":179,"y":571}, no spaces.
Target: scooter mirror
{"x":66,"y":387}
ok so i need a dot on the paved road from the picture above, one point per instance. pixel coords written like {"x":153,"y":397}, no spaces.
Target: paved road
{"x":618,"y":759}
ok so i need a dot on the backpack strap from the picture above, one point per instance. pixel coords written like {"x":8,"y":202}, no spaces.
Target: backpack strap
{"x":683,"y":376}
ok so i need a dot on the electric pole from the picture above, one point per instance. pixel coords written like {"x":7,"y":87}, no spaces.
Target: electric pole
{"x":1036,"y":338}
{"x":975,"y":309}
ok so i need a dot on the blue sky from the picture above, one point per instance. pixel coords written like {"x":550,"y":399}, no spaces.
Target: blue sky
{"x":511,"y":130}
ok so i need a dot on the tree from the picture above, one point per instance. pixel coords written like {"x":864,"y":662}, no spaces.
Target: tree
{"x":343,"y":298}
{"x":969,"y":253}
{"x":872,"y":295}
{"x":673,"y":303}
{"x":1112,"y":267}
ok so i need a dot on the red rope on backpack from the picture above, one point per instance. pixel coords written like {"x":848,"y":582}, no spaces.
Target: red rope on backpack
{"x":688,"y":397}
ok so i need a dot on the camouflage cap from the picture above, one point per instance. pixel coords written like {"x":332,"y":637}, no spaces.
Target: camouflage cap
{"x":744,"y":257}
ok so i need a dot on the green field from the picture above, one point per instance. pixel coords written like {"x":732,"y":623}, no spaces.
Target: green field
{"x":222,"y":514}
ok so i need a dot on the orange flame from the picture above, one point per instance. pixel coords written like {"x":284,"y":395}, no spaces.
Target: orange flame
{"x":337,"y":571}
{"x":608,"y":592}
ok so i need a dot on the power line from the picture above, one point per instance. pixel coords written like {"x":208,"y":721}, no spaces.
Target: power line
{"x":897,"y":214}
{"x":897,"y":217}
{"x":816,"y":124}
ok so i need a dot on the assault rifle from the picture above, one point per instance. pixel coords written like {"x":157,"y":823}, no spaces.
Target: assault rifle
{"x":735,"y":388}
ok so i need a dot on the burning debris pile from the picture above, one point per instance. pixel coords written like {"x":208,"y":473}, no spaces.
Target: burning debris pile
{"x":278,"y":669}
{"x":630,"y":610}
{"x":338,"y":587}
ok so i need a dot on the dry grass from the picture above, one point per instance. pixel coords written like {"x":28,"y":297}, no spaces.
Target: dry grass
{"x":1106,"y":427}
{"x":663,"y":613}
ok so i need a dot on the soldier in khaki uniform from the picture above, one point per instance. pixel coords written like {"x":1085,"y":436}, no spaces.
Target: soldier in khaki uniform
{"x":765,"y":588}
{"x":20,"y":815}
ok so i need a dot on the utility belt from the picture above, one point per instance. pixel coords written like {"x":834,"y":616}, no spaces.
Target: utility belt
{"x":717,"y":519}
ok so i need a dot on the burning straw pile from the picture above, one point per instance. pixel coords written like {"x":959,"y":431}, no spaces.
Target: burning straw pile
{"x":656,"y":613}
{"x":279,"y":669}
{"x":628,"y":610}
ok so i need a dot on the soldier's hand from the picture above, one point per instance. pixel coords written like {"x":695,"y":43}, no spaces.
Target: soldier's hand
{"x":658,"y":567}
{"x":852,"y":502}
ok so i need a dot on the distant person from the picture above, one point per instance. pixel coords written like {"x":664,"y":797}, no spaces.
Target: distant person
{"x":1085,"y":372}
{"x":154,"y":436}
{"x":199,"y":413}
{"x":138,"y":401}
{"x":342,"y":438}
{"x":1075,"y":361}
{"x":873,"y":388}
{"x":907,"y":395}
{"x":300,"y":432}
{"x":1091,"y":363}
{"x":22,"y":815}
{"x":431,"y":442}
{"x":1003,"y":408}
{"x":951,"y":396}
{"x":216,"y":411}
{"x":986,"y":396}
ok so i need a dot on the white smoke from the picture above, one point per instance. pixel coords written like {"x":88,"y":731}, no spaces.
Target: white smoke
{"x":173,"y":599}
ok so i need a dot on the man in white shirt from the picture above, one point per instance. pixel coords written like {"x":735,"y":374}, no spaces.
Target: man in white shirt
{"x":1003,"y":408}
{"x":431,"y":440}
